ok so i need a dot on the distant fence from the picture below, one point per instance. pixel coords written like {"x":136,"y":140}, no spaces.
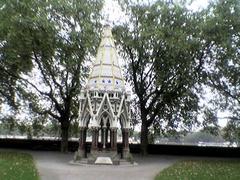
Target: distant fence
{"x":186,"y":150}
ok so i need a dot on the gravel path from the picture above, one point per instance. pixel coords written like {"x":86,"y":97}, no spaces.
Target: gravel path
{"x":56,"y":166}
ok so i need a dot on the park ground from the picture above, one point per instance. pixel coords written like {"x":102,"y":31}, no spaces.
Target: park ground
{"x":55,"y":165}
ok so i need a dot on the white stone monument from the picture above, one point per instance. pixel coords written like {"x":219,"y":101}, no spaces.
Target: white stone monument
{"x":104,"y":102}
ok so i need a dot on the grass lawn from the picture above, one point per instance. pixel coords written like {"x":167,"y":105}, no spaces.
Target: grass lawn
{"x":17,"y":166}
{"x":202,"y":170}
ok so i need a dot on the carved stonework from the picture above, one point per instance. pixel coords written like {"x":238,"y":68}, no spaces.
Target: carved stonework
{"x":104,"y":102}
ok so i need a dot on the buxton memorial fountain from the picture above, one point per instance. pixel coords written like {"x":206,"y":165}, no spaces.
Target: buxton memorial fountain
{"x":104,"y":108}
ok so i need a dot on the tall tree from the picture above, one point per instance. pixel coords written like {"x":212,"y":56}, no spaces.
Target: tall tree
{"x":224,"y":75}
{"x":56,"y":38}
{"x":164,"y":50}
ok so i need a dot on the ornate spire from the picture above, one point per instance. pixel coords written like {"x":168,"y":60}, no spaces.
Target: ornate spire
{"x":106,"y":73}
{"x":104,"y":103}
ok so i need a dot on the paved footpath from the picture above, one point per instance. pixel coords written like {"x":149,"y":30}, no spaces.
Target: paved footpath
{"x":56,"y":166}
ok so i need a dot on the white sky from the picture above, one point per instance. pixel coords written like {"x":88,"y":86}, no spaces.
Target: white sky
{"x":114,"y":14}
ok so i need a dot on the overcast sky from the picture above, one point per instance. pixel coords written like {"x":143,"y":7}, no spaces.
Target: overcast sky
{"x":113,"y":11}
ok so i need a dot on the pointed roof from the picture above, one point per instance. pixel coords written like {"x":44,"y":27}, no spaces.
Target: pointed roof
{"x":106,"y":73}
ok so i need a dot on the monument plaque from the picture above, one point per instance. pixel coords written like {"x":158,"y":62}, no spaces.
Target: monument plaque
{"x":104,"y":160}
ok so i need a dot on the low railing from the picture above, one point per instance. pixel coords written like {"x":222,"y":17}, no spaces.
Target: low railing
{"x":166,"y":149}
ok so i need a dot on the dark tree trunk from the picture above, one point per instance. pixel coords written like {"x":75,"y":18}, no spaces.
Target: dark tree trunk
{"x":144,"y":137}
{"x":64,"y":135}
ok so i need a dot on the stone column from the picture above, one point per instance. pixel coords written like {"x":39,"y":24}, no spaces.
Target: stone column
{"x":113,"y":139}
{"x":81,"y":153}
{"x":94,"y":146}
{"x":125,"y":138}
{"x":102,"y":137}
{"x":106,"y":136}
{"x":82,"y":139}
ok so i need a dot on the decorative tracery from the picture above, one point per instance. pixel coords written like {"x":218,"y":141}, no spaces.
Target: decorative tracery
{"x":104,"y":102}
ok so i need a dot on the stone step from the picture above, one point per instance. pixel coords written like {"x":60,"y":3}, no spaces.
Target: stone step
{"x":102,"y":161}
{"x":111,"y":154}
{"x":84,"y":161}
{"x":79,"y":162}
{"x":124,"y":162}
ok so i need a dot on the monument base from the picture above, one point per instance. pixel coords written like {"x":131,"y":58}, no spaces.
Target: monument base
{"x":78,"y":155}
{"x":112,"y":155}
{"x":104,"y":157}
{"x":127,"y":155}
